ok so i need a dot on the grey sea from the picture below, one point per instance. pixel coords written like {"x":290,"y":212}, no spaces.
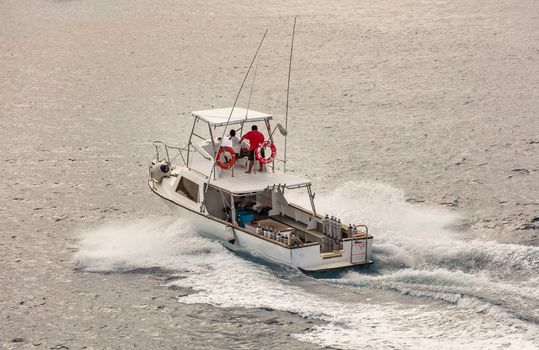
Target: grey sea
{"x":417,"y":118}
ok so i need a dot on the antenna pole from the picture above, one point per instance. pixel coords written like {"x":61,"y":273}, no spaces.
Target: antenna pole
{"x":288,"y":90}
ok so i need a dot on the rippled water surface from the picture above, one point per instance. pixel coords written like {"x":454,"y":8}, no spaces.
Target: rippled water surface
{"x":418,"y":119}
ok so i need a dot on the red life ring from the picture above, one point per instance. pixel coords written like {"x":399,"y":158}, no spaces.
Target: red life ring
{"x":228,"y":164}
{"x":271,"y":158}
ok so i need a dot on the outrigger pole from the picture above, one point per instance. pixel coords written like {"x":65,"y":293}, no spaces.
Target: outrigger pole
{"x":288,"y":91}
{"x":249,"y":101}
{"x":230,"y":116}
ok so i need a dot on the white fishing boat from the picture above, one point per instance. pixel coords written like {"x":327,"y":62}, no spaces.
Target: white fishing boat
{"x":205,"y":183}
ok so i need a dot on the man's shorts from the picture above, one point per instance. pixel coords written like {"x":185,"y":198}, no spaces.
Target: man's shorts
{"x":251,"y":154}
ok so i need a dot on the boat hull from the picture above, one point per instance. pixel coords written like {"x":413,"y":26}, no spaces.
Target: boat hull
{"x":306,"y":258}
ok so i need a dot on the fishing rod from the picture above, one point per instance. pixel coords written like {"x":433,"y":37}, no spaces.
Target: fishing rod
{"x":243,"y":82}
{"x":232,"y":109}
{"x":288,"y":92}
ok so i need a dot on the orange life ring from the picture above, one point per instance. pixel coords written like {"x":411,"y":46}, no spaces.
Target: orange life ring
{"x":263,"y":145}
{"x":228,"y":164}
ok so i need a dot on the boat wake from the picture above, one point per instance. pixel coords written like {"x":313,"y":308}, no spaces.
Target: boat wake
{"x":431,"y":286}
{"x":160,"y":242}
{"x":419,"y":254}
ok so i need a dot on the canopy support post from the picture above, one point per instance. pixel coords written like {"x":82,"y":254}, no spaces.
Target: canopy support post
{"x":214,"y":150}
{"x":190,"y":140}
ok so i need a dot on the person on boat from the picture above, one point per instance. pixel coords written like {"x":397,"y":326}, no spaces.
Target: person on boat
{"x":231,"y":141}
{"x":255,"y":138}
{"x":235,"y":142}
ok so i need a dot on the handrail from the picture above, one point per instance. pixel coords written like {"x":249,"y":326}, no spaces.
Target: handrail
{"x":363,"y":226}
{"x":159,"y":145}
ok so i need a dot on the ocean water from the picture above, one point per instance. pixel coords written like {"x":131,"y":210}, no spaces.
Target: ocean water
{"x":417,"y":118}
{"x":431,"y":285}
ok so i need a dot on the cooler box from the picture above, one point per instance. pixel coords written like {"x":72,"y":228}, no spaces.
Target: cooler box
{"x":244,"y":217}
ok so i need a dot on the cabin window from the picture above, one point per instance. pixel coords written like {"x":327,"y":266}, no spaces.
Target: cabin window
{"x":188,"y":188}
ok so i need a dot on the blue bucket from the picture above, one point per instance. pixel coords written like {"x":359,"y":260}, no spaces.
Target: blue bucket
{"x":244,"y":217}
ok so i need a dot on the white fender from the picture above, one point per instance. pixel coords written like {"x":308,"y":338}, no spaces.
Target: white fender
{"x":229,"y":233}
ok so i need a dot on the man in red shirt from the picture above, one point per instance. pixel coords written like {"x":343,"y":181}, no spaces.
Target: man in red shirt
{"x":255,"y":138}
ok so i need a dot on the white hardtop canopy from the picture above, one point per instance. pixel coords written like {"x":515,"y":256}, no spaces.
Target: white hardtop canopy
{"x":219,"y":116}
{"x":252,"y":183}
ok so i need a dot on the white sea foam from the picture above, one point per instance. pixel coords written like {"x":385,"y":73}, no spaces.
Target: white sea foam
{"x":160,"y":242}
{"x":467,"y":297}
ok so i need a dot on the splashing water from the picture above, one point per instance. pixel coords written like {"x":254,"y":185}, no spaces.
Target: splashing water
{"x":429,"y":287}
{"x":417,"y":253}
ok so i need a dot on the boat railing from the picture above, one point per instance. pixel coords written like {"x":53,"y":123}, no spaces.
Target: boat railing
{"x":164,"y":152}
{"x":169,"y":154}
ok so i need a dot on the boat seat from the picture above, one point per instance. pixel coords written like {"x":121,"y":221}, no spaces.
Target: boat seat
{"x":297,"y":225}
